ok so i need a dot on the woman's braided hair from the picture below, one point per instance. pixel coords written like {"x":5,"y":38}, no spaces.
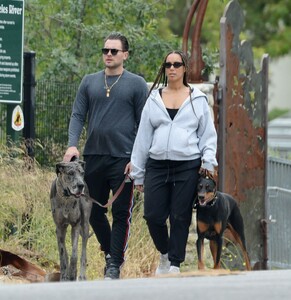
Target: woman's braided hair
{"x":161,"y":78}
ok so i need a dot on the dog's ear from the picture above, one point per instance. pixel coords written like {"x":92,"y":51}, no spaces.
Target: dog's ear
{"x":205,"y":173}
{"x":82,"y":163}
{"x":214,"y":181}
{"x":59,"y":168}
{"x":214,"y":177}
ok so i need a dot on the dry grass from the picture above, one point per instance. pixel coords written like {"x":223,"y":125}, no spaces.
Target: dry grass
{"x":27,"y":227}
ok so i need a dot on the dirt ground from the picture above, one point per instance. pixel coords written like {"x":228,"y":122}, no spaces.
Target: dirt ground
{"x":10,"y":275}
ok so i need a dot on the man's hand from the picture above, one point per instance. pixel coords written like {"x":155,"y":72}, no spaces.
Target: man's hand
{"x":71,"y":152}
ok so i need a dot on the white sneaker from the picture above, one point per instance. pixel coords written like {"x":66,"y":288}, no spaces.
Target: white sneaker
{"x":174,"y":270}
{"x":164,"y":265}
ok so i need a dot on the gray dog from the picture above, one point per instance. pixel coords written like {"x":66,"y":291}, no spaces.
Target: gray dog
{"x":71,"y":206}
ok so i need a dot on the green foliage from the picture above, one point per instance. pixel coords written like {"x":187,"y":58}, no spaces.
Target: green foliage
{"x":210,"y":28}
{"x":67,"y":35}
{"x":268,"y":25}
{"x":276,"y":112}
{"x":210,"y":59}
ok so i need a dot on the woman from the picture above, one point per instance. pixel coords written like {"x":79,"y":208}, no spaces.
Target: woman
{"x":176,"y":138}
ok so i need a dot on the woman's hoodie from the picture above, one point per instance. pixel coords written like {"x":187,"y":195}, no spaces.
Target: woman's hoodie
{"x":190,"y":135}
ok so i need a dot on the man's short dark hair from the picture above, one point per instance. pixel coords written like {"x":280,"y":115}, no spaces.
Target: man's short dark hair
{"x":120,"y":37}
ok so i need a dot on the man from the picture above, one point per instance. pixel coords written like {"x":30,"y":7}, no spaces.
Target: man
{"x":113,"y":100}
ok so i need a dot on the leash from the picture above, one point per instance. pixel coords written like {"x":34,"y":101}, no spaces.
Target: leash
{"x":126,"y":179}
{"x":115,"y":196}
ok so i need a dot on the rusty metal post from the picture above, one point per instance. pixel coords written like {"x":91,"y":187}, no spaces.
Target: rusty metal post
{"x":242,"y":130}
{"x":196,"y":62}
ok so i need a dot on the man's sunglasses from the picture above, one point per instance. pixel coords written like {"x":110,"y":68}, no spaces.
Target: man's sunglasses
{"x":176,"y":65}
{"x":113,"y":51}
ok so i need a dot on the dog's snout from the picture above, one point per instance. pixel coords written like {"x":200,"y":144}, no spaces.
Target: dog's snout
{"x":81,"y":186}
{"x":78,"y":187}
{"x":201,"y":198}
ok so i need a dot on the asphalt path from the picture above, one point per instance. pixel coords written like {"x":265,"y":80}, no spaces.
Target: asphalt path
{"x":254,"y":285}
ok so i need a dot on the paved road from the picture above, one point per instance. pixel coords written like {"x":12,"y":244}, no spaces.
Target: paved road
{"x":256,"y":285}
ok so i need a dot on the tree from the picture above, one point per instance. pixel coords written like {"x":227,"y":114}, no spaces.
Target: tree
{"x":67,"y":35}
{"x":210,"y":29}
{"x":267,"y":24}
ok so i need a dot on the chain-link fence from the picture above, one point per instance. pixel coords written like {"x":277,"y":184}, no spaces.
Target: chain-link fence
{"x":53,"y":105}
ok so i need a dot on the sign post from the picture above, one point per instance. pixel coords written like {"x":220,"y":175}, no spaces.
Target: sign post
{"x":11,"y":56}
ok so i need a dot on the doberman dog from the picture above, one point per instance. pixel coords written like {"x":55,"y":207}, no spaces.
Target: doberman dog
{"x":71,"y":205}
{"x":217,"y":211}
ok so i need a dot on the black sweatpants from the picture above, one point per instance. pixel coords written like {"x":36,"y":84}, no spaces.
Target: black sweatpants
{"x":102,"y":174}
{"x":170,"y":188}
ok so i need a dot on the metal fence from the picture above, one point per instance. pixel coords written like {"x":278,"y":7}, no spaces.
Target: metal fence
{"x":53,"y":106}
{"x":278,"y":209}
{"x":52,"y":110}
{"x":279,"y":172}
{"x":279,"y":227}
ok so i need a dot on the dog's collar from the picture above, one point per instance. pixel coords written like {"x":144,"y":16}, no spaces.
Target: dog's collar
{"x":212,"y":201}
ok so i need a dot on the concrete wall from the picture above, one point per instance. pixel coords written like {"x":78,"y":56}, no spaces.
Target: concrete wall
{"x":280,"y":83}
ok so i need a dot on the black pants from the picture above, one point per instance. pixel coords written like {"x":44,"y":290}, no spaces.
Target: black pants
{"x":170,"y":188}
{"x":102,"y":174}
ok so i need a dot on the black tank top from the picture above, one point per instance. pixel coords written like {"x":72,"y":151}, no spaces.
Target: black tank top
{"x":171,"y":111}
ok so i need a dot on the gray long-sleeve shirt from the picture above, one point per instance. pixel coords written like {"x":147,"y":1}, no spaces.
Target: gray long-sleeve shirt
{"x":113,"y":120}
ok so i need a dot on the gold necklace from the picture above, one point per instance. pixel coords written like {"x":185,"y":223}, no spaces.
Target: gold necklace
{"x":108,"y":88}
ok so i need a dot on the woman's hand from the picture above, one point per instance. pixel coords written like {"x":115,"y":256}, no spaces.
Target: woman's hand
{"x":206,"y":173}
{"x":128,"y":168}
{"x":140,"y":188}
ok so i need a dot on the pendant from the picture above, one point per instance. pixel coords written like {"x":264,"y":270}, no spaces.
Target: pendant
{"x":107,"y":93}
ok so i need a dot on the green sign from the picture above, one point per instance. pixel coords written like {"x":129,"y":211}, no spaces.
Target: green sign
{"x":11,"y":50}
